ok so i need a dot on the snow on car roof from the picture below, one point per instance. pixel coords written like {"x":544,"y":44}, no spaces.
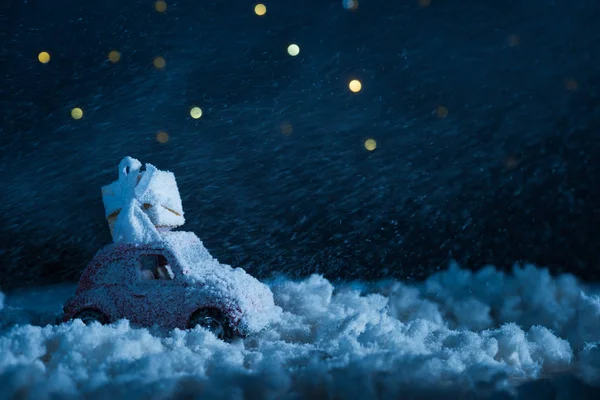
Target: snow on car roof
{"x":185,"y":246}
{"x":188,"y":249}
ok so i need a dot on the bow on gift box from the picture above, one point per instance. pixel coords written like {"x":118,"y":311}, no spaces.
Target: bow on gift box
{"x":140,"y":204}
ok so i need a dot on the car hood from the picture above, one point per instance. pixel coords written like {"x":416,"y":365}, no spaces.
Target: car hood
{"x":233,"y":287}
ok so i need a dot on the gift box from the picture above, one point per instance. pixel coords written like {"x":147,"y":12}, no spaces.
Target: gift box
{"x":139,"y":198}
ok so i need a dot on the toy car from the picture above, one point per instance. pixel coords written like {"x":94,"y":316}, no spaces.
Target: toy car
{"x":174,"y":283}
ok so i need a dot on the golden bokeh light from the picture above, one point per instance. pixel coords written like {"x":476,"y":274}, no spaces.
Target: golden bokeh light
{"x":162,"y":137}
{"x":196,"y":112}
{"x":44,"y":57}
{"x":260,"y":9}
{"x":286,"y":128}
{"x":350,"y":4}
{"x":159,"y":62}
{"x":370,"y":144}
{"x":355,"y":85}
{"x":160,"y":6}
{"x":114,"y":56}
{"x":76,"y":113}
{"x":441,"y":112}
{"x":513,"y":40}
{"x":293,"y":50}
{"x":571,"y":85}
{"x":424,"y":3}
{"x":511,"y":162}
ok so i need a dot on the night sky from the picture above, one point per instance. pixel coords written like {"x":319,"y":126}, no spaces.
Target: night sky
{"x":474,"y":137}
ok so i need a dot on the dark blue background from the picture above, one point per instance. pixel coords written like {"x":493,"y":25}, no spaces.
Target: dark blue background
{"x":512,"y":174}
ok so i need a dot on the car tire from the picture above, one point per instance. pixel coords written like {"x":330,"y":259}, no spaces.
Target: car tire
{"x":213,"y":320}
{"x":89,"y":316}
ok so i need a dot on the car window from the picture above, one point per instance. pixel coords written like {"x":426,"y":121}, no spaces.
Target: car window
{"x":155,"y":267}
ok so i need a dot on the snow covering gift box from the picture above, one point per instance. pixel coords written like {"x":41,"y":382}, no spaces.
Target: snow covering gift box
{"x":153,"y":192}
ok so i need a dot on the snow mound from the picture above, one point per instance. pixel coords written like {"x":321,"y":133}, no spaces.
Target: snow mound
{"x":458,"y":334}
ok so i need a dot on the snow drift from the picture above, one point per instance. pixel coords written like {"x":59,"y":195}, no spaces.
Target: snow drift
{"x":456,"y":334}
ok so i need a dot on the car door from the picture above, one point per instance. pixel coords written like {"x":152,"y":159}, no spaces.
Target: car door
{"x":155,"y":295}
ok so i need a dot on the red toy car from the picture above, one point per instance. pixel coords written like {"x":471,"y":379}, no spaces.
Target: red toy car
{"x":174,"y":283}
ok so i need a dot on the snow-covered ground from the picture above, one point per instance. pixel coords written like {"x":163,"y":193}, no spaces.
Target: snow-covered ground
{"x":459,"y":333}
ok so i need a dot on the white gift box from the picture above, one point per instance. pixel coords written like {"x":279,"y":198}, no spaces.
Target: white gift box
{"x":141,"y":202}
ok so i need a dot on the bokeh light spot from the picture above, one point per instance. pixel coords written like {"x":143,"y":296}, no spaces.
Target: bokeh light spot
{"x":286,"y":128}
{"x":159,"y":62}
{"x":370,"y":144}
{"x":162,"y":137}
{"x":441,"y":112}
{"x":293,"y":50}
{"x":44,"y":57}
{"x":76,"y":113}
{"x":260,"y":9}
{"x":511,"y":162}
{"x":114,"y":56}
{"x":350,"y":4}
{"x":160,"y":6}
{"x":196,"y":112}
{"x":355,"y":85}
{"x":424,"y":3}
{"x":571,"y":85}
{"x":514,"y":40}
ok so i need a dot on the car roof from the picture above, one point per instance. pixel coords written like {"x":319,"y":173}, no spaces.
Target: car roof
{"x":186,"y":247}
{"x":177,"y":242}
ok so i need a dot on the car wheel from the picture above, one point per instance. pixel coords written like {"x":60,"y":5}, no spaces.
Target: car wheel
{"x":89,"y":316}
{"x":214,"y":321}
